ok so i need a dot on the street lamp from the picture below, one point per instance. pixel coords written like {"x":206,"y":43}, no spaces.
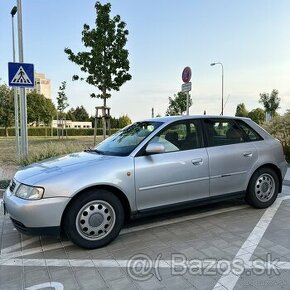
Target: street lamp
{"x":13,"y":12}
{"x":212,"y":64}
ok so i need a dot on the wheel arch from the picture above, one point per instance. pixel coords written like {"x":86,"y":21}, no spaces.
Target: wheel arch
{"x":276,"y":170}
{"x":117,"y":192}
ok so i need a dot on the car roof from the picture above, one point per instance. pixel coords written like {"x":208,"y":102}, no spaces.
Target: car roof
{"x":169,"y":119}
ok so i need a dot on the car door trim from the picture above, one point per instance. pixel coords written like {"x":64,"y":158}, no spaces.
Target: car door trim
{"x":228,"y":174}
{"x":172,"y":183}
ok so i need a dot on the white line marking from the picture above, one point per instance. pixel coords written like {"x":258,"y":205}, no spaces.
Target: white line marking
{"x":18,"y":245}
{"x":181,"y":219}
{"x":32,"y":251}
{"x":55,"y":285}
{"x":228,"y":281}
{"x":111,"y":263}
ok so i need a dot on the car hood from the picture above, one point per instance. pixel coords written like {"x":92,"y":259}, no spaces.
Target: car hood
{"x":59,"y":165}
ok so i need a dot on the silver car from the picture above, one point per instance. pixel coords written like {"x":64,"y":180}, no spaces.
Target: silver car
{"x":161,"y":163}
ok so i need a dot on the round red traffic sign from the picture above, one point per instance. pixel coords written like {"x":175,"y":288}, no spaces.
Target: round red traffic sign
{"x":186,"y":74}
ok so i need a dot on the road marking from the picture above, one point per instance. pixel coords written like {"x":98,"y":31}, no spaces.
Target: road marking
{"x":181,"y":219}
{"x":111,"y":263}
{"x":228,"y":281}
{"x":32,"y":251}
{"x":18,"y":245}
{"x":55,"y":285}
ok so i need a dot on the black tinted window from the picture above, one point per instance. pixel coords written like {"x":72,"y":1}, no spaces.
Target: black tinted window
{"x":223,"y":132}
{"x":250,"y":132}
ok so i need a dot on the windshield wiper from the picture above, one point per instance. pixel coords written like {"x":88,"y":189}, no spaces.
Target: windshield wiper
{"x":94,"y":150}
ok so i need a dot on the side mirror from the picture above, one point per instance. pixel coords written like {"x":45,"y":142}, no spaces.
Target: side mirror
{"x":155,"y":148}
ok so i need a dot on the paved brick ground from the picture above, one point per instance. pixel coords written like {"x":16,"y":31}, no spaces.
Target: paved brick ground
{"x":27,"y":261}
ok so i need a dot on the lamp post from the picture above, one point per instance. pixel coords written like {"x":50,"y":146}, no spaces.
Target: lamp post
{"x":212,"y":64}
{"x":13,"y":12}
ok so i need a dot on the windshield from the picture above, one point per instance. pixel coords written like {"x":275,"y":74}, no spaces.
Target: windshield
{"x":126,"y":140}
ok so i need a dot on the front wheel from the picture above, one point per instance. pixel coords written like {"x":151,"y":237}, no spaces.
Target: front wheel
{"x":263,"y":188}
{"x":94,"y":219}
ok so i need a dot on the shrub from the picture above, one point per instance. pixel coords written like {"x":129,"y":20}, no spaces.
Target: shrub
{"x":46,"y":131}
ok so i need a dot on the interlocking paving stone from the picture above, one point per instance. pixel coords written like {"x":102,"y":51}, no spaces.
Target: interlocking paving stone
{"x":219,"y":236}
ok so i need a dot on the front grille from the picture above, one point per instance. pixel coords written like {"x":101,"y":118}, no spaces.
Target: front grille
{"x":12,"y":186}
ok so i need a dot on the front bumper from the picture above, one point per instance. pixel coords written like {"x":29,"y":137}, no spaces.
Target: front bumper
{"x":33,"y":215}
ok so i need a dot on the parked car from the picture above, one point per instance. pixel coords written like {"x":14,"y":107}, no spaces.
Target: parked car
{"x":155,"y":164}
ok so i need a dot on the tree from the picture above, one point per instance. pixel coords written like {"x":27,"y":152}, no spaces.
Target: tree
{"x":241,"y":110}
{"x":270,"y":102}
{"x":6,"y":108}
{"x":39,"y":109}
{"x":80,"y":114}
{"x":177,"y":105}
{"x":124,"y":121}
{"x":257,"y":115}
{"x":62,"y":103}
{"x":105,"y":59}
{"x":70,"y":115}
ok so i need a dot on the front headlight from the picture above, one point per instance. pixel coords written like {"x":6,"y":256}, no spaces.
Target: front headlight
{"x":29,"y":192}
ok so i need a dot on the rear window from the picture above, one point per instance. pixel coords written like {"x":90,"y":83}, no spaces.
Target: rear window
{"x":250,"y":132}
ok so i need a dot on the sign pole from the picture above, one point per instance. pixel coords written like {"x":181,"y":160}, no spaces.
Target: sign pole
{"x":186,"y":86}
{"x":187,"y":103}
{"x":16,"y":108}
{"x":23,"y":105}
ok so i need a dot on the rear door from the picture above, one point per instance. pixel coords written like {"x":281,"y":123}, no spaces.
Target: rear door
{"x":179,"y":174}
{"x":231,"y":156}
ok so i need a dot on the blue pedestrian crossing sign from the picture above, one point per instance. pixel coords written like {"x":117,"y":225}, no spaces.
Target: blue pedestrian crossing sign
{"x":21,"y":74}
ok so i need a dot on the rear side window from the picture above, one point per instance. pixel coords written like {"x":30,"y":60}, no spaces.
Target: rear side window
{"x":223,"y":132}
{"x":249,"y":132}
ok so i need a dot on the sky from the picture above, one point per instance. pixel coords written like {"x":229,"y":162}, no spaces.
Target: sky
{"x":251,"y":39}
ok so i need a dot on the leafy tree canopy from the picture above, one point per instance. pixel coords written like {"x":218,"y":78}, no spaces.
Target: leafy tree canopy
{"x":105,"y":60}
{"x":270,"y":102}
{"x":62,"y":103}
{"x":81,"y":114}
{"x":6,"y":107}
{"x":257,"y":115}
{"x":70,"y":115}
{"x":177,"y":105}
{"x":241,"y":110}
{"x":39,"y":109}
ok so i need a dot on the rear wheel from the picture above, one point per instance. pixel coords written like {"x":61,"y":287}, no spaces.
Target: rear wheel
{"x":94,"y":219}
{"x":263,"y":188}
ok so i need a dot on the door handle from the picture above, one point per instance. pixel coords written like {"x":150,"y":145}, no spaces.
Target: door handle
{"x":197,"y":161}
{"x":248,"y":154}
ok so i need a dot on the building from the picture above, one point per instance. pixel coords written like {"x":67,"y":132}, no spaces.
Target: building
{"x":71,"y":124}
{"x":41,"y":85}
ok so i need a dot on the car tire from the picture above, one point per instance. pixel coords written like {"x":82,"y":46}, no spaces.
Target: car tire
{"x":263,"y":188}
{"x":94,"y":219}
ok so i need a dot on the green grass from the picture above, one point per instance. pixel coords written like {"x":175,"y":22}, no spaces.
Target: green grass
{"x":42,"y":148}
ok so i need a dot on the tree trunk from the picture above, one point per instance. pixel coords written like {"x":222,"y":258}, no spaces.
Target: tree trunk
{"x":104,"y":118}
{"x":6,"y":132}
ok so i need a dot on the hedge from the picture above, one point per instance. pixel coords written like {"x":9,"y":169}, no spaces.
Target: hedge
{"x":46,"y":131}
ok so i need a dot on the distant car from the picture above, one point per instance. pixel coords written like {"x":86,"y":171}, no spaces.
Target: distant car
{"x":155,"y":164}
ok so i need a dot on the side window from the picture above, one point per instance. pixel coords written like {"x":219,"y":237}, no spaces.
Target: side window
{"x":223,"y":132}
{"x":250,"y":132}
{"x":179,"y":137}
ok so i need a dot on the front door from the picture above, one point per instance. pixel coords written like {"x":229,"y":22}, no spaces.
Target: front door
{"x":179,"y":174}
